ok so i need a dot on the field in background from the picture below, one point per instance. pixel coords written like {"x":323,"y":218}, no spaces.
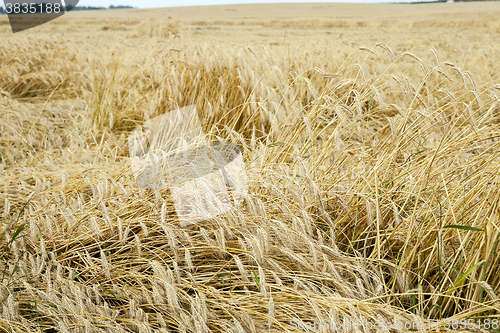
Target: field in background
{"x":370,"y":133}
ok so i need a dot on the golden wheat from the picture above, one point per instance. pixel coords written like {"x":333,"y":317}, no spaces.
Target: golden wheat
{"x":361,"y":152}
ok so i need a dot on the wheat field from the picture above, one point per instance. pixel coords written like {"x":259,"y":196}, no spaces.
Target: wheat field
{"x":370,"y":135}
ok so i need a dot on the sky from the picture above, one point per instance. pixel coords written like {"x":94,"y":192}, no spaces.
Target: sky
{"x":176,"y":3}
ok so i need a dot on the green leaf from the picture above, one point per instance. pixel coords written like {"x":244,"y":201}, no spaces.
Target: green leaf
{"x":463,"y":227}
{"x":37,"y":316}
{"x":277,"y":143}
{"x":39,"y":231}
{"x":109,"y":291}
{"x":257,"y":280}
{"x":122,"y":289}
{"x":16,"y":268}
{"x":298,"y":176}
{"x":466,"y":274}
{"x":18,"y":231}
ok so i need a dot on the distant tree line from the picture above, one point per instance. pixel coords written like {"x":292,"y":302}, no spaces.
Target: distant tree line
{"x":120,"y":7}
{"x":440,"y":1}
{"x":101,"y":8}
